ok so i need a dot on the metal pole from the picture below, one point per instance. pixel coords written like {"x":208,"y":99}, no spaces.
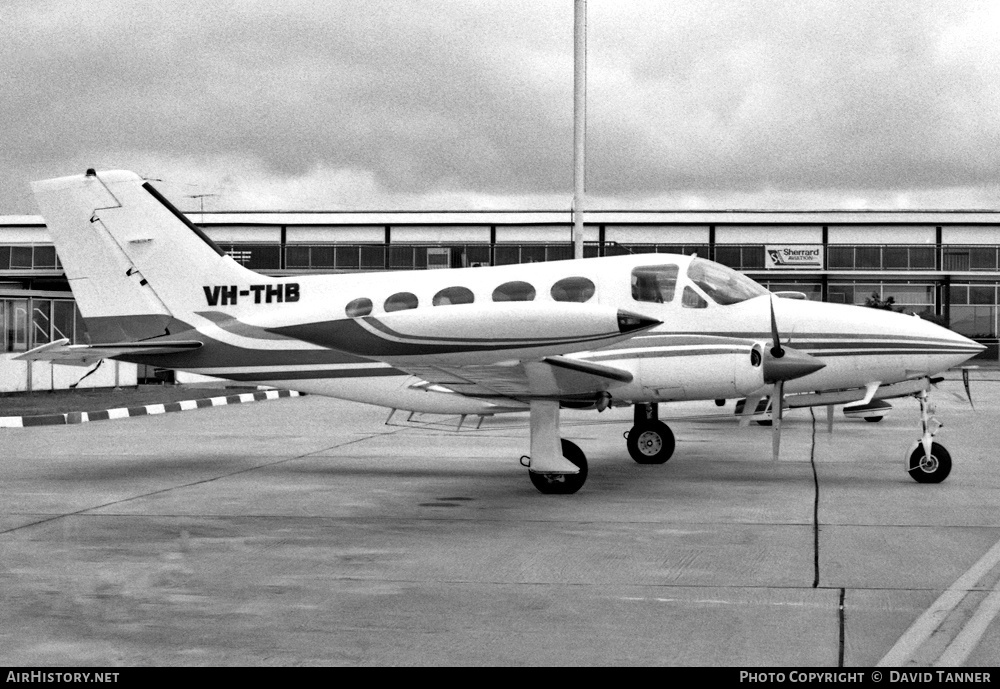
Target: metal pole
{"x":579,"y":120}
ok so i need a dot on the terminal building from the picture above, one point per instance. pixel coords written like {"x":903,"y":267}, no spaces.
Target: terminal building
{"x":937,"y":264}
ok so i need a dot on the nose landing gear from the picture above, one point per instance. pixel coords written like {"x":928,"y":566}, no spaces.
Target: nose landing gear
{"x":928,"y":461}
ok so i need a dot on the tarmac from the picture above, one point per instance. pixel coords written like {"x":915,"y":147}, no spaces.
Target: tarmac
{"x":307,"y":532}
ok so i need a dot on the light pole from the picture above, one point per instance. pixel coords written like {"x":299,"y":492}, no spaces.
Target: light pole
{"x":579,"y":120}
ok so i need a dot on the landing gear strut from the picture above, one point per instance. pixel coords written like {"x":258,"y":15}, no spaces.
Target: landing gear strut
{"x":927,"y":461}
{"x":556,"y":466}
{"x":650,"y":441}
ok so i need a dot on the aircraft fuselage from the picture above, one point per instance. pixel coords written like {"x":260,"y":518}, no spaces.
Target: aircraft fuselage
{"x":312,"y":333}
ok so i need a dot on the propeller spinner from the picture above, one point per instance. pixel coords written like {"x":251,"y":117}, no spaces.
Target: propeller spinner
{"x":780,"y":364}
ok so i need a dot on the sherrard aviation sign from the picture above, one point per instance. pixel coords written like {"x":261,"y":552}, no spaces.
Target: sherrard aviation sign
{"x":795,"y":256}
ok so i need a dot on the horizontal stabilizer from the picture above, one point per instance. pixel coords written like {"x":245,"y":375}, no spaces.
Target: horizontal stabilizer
{"x":61,"y":352}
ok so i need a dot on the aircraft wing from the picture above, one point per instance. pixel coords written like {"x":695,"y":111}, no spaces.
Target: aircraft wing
{"x":61,"y":352}
{"x":511,"y":350}
{"x":554,"y":377}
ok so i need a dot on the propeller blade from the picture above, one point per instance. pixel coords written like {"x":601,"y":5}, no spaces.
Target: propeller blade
{"x":777,"y":402}
{"x":968,"y":392}
{"x":829,"y":418}
{"x":776,"y":350}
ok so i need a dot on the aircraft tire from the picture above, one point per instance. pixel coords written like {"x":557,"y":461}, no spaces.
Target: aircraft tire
{"x":934,"y":471}
{"x":650,"y":443}
{"x":873,"y":419}
{"x":563,"y":484}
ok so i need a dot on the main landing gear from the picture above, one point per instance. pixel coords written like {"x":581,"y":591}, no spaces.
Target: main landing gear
{"x":649,"y":441}
{"x":558,"y":467}
{"x":927,"y":461}
{"x":563,"y":484}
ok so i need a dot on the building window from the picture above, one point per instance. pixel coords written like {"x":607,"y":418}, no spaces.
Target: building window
{"x":297,"y":257}
{"x":322,"y":257}
{"x":372,"y":257}
{"x":532,"y":253}
{"x":28,"y":323}
{"x":347,"y":258}
{"x":44,"y":257}
{"x":840,"y":257}
{"x":907,"y":297}
{"x":63,"y":320}
{"x":812,"y":290}
{"x":15,"y":325}
{"x":507,"y":255}
{"x":973,"y":310}
{"x":20,"y":257}
{"x":41,"y":322}
{"x":970,"y":258}
{"x":255,"y":256}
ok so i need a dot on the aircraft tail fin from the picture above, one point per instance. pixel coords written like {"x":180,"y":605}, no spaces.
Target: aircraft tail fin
{"x":134,"y":262}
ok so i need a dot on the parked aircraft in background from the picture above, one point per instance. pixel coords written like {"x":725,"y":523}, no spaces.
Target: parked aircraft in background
{"x":635,"y":330}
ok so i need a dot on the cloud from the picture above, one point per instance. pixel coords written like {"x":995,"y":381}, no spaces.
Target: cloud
{"x":382,"y":103}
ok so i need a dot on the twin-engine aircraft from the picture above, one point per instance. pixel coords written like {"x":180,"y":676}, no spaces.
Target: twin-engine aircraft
{"x":635,"y":330}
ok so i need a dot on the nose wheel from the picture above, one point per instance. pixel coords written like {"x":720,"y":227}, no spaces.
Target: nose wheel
{"x":932,"y":468}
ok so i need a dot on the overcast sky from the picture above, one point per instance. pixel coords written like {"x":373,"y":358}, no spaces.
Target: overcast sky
{"x":438,"y":104}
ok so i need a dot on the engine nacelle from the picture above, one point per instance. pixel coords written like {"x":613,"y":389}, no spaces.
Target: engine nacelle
{"x":721,"y":369}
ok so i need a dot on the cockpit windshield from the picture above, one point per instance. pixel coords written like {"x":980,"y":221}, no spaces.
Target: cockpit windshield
{"x":724,"y":285}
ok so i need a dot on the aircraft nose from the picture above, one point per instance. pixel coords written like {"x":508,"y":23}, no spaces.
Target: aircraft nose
{"x":954,"y":348}
{"x":971,"y":344}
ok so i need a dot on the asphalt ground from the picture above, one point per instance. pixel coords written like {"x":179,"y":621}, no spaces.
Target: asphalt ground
{"x":305,"y":531}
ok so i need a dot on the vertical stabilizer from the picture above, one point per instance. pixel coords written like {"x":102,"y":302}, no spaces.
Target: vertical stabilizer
{"x":132,"y":259}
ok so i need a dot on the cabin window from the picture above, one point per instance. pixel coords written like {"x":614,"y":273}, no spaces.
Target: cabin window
{"x":724,"y":285}
{"x":655,"y":284}
{"x":453,"y":295}
{"x":359,"y":307}
{"x":573,"y":289}
{"x":514,"y":291}
{"x":693,"y":300}
{"x":400,"y":301}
